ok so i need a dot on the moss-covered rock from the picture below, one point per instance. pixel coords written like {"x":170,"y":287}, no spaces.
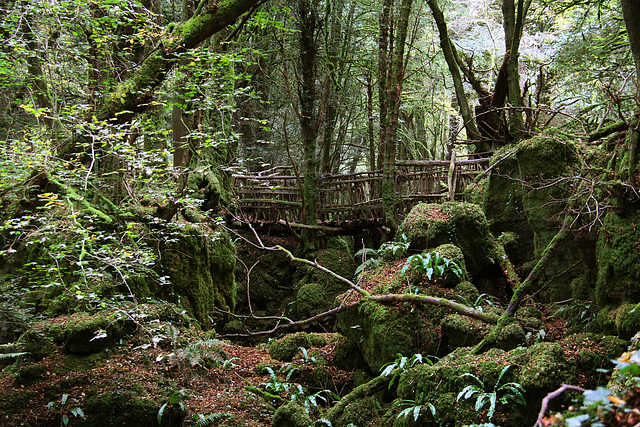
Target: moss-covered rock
{"x":618,"y":258}
{"x":311,"y":299}
{"x":200,"y":263}
{"x":525,"y":195}
{"x":381,"y":332}
{"x":347,"y":356}
{"x":463,"y":331}
{"x":119,"y":408}
{"x":36,"y":344}
{"x":291,"y":414}
{"x":622,"y":320}
{"x":361,"y":412}
{"x":29,"y":374}
{"x":83,"y":333}
{"x":287,"y":347}
{"x":539,"y":369}
{"x":464,"y":225}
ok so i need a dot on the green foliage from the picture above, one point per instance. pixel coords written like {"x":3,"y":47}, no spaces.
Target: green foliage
{"x":280,"y":384}
{"x":428,"y":265}
{"x":66,"y":407}
{"x":398,"y":367}
{"x":176,"y":398}
{"x":373,"y":258}
{"x":200,"y":420}
{"x":412,"y":409}
{"x":578,"y":315}
{"x":502,"y":393}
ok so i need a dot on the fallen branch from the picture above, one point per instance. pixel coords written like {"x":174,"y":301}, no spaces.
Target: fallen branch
{"x":553,"y":395}
{"x":300,"y":324}
{"x":441,"y":302}
{"x":522,"y":290}
{"x":367,"y":389}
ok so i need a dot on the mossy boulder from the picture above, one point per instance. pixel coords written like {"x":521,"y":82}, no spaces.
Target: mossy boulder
{"x":381,"y":332}
{"x":36,"y":344}
{"x":119,"y":408}
{"x":539,"y":369}
{"x":463,"y":331}
{"x":83,"y":333}
{"x":200,"y":263}
{"x":347,"y":356}
{"x":28,"y":375}
{"x":361,"y":412}
{"x":311,"y":299}
{"x":618,"y":256}
{"x":622,"y":320}
{"x":287,"y":347}
{"x":526,"y":196}
{"x":464,"y":225}
{"x":336,"y":258}
{"x":291,"y":414}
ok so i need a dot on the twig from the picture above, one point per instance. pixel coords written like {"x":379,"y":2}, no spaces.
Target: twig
{"x":553,"y":395}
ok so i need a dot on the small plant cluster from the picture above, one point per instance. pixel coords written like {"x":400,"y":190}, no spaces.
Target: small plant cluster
{"x":66,"y":407}
{"x":502,"y":393}
{"x":281,"y":388}
{"x":431,"y":265}
{"x":372,"y":258}
{"x":396,"y":370}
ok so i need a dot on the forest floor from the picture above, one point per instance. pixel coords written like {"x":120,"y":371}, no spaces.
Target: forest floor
{"x":153,"y":373}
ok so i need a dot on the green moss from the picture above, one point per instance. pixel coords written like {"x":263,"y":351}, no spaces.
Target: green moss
{"x":622,"y":320}
{"x":200,"y":263}
{"x":36,"y":344}
{"x":468,"y":291}
{"x":15,"y":401}
{"x":347,"y":356}
{"x":30,"y":374}
{"x":287,"y":347}
{"x":291,"y":414}
{"x":618,"y":259}
{"x":340,"y":262}
{"x":84,"y":333}
{"x":119,"y":408}
{"x":461,"y":224}
{"x":362,"y":413}
{"x":311,"y":299}
{"x":462,"y":331}
{"x":381,"y":332}
{"x":539,"y":369}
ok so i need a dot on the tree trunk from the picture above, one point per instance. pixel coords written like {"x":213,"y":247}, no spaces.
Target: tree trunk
{"x":514,"y":23}
{"x":448,"y":49}
{"x":392,"y":64}
{"x":308,"y":118}
{"x":631,"y":14}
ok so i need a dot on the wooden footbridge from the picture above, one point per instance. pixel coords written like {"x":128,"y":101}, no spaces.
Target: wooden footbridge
{"x":276,"y":197}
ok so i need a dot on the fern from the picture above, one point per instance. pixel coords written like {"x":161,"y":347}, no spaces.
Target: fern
{"x":12,"y":355}
{"x":211,"y":419}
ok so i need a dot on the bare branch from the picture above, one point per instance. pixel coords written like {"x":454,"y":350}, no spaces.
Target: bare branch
{"x":553,"y":395}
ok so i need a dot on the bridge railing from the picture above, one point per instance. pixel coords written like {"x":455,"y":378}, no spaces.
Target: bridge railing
{"x":355,"y":196}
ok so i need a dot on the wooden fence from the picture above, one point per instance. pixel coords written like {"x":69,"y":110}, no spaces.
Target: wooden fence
{"x":352,"y":197}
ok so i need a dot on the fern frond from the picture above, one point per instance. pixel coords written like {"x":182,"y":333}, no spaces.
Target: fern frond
{"x":212,"y":419}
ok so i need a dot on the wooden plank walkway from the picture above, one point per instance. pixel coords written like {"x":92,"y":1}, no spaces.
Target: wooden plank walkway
{"x":352,"y":197}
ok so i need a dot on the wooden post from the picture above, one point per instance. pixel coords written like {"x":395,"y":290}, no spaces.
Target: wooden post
{"x":451,"y":178}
